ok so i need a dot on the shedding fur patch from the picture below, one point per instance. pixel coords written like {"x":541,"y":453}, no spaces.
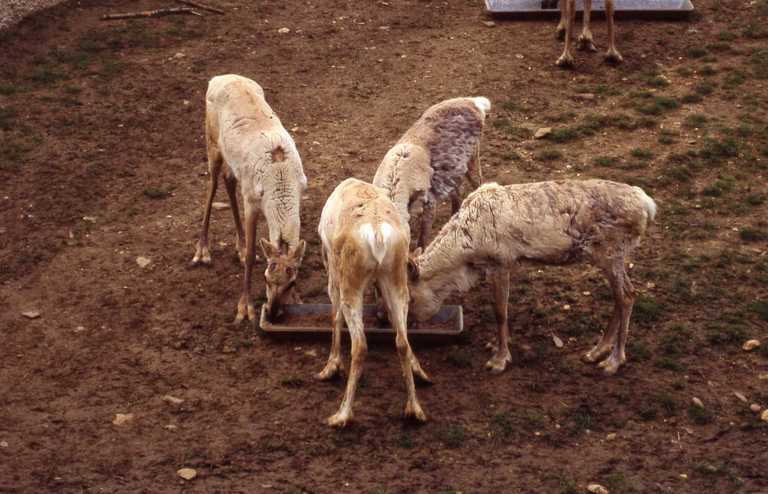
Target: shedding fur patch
{"x":377,"y":240}
{"x":648,"y":203}
{"x":278,"y":154}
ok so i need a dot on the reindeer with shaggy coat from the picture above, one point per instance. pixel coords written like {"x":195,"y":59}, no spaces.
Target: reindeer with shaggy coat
{"x":364,"y":242}
{"x":430,"y":161}
{"x":245,"y":138}
{"x":558,"y":222}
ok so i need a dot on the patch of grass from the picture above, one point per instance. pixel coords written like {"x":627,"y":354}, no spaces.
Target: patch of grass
{"x":718,"y":188}
{"x":725,"y":335}
{"x":655,"y":80}
{"x":671,"y":364}
{"x":510,"y":106}
{"x":452,"y":435}
{"x":12,"y":152}
{"x":563,"y":134}
{"x":699,"y":415}
{"x":760,"y":307}
{"x":691,"y":98}
{"x":696,"y":52}
{"x":511,"y":156}
{"x":707,"y":71}
{"x":755,"y":30}
{"x":639,"y":351}
{"x":658,"y":105}
{"x":404,"y":441}
{"x":759,"y":62}
{"x":715,"y":151}
{"x":755,"y":199}
{"x":7,"y":117}
{"x":156,"y":194}
{"x":8,"y":89}
{"x":582,"y":419}
{"x":549,"y":155}
{"x":459,"y":359}
{"x":695,"y":121}
{"x":45,"y":76}
{"x":750,"y":234}
{"x":734,"y":79}
{"x":111,"y":68}
{"x":641,"y":153}
{"x":292,"y":382}
{"x":705,"y":88}
{"x":726,"y":36}
{"x":647,"y":309}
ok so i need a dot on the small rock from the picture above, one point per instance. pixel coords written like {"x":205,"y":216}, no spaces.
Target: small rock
{"x":750,"y":345}
{"x":597,"y":489}
{"x":79,"y":329}
{"x":557,"y":341}
{"x":611,"y":436}
{"x":584,"y":96}
{"x":542,"y":132}
{"x":143,"y":262}
{"x":187,"y":473}
{"x":123,"y":418}
{"x":173,"y":400}
{"x":282,"y":30}
{"x":311,"y":353}
{"x":31,"y":314}
{"x":764,"y":416}
{"x":683,"y":476}
{"x":170,"y":427}
{"x":3,"y":444}
{"x":755,"y":407}
{"x":763,"y":377}
{"x":89,"y":219}
{"x":179,"y":55}
{"x":697,"y":402}
{"x":489,"y":23}
{"x":740,"y":396}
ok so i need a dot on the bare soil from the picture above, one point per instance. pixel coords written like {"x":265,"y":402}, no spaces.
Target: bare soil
{"x":102,"y":160}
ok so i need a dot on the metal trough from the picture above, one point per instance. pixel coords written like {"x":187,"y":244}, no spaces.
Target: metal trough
{"x":307,"y":320}
{"x":640,"y":8}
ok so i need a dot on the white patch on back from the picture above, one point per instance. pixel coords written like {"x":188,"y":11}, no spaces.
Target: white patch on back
{"x":483,"y":104}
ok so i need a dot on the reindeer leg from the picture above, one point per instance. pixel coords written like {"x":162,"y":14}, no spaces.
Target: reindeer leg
{"x":334,"y":364}
{"x":612,"y":55}
{"x":560,"y":31}
{"x":566,"y":59}
{"x":352,"y":308}
{"x":245,"y":309}
{"x":231,"y":182}
{"x":215,"y":160}
{"x":500,"y":282}
{"x":585,"y":40}
{"x":396,"y":297}
{"x":624,"y":294}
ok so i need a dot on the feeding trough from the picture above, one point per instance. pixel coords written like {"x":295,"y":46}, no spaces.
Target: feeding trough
{"x":315,"y":320}
{"x":662,"y":8}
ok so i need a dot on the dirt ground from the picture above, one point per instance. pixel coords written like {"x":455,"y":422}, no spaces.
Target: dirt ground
{"x":102,"y":160}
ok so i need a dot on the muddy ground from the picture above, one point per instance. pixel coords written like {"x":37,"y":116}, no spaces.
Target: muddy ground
{"x":102,"y":160}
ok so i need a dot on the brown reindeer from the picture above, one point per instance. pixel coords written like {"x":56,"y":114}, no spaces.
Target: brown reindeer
{"x":247,"y":140}
{"x":364,"y":242}
{"x":585,"y":41}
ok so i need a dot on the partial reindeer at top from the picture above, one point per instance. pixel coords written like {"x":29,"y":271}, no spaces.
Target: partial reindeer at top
{"x":247,"y":140}
{"x":430,"y":161}
{"x":585,"y":41}
{"x":364,"y":242}
{"x":559,"y":222}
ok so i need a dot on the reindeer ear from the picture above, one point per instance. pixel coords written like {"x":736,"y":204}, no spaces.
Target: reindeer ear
{"x":268,"y":249}
{"x":298,"y":251}
{"x":413,"y":265}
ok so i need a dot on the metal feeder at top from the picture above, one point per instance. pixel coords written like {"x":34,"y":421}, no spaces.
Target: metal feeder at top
{"x":661,"y":8}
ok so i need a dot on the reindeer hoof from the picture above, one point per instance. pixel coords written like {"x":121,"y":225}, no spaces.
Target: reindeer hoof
{"x":414,"y":411}
{"x":610,"y":365}
{"x":565,"y":61}
{"x":339,"y":420}
{"x":614,"y":57}
{"x":331,"y":370}
{"x":586,"y":44}
{"x":498,"y":363}
{"x":202,"y":256}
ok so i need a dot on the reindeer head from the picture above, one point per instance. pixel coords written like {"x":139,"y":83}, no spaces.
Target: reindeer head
{"x":424,"y":301}
{"x":283,"y":264}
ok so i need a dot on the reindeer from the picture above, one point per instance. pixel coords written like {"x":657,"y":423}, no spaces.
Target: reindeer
{"x":364,"y":242}
{"x":565,"y":28}
{"x":429,"y":162}
{"x":556,"y":222}
{"x":245,"y":138}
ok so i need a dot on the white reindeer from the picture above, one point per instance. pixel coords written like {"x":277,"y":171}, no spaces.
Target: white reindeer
{"x":557,"y":222}
{"x":565,"y":28}
{"x":244,"y":134}
{"x":364,"y":242}
{"x":429,"y":162}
